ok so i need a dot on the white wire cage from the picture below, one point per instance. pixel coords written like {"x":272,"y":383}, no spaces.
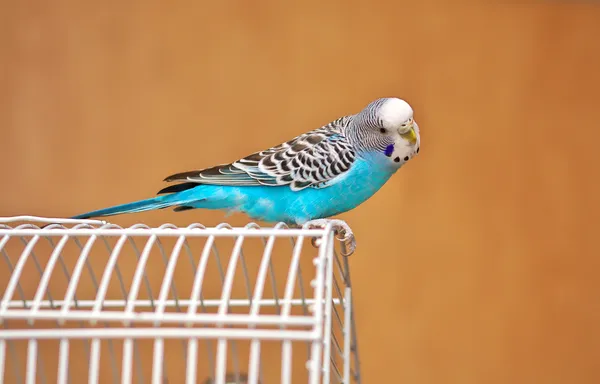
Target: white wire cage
{"x":89,"y":301}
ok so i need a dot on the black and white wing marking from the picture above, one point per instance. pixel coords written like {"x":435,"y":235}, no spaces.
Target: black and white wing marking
{"x":314,"y":159}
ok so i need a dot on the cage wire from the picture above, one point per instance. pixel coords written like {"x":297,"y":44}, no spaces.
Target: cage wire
{"x":86,"y":300}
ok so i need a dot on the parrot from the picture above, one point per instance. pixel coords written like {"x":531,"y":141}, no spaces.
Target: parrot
{"x":304,"y":181}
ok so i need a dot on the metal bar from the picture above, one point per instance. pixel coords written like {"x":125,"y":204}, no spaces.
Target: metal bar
{"x":225,"y":296}
{"x":347,"y":339}
{"x":45,"y":279}
{"x":2,"y":359}
{"x":328,"y":315}
{"x":314,"y":362}
{"x":157,"y":364}
{"x":190,"y":374}
{"x":169,"y":303}
{"x":63,"y":362}
{"x":105,"y":280}
{"x":195,"y":295}
{"x":160,"y":308}
{"x":165,"y":232}
{"x":254,"y":363}
{"x":151,"y":333}
{"x":14,"y":277}
{"x":286,"y":350}
{"x":133,"y":292}
{"x":94,"y":369}
{"x":353,"y":324}
{"x":127,"y":359}
{"x":76,"y":275}
{"x":32,"y":359}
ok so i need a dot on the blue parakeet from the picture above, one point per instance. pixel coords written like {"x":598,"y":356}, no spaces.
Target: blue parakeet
{"x":316,"y":175}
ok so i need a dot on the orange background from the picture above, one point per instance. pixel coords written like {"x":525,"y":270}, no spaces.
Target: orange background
{"x":477,"y":263}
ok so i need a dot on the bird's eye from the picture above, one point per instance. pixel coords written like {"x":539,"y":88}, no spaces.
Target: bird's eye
{"x":382,"y":130}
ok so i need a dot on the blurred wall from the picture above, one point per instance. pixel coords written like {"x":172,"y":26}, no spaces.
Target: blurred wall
{"x":477,"y":263}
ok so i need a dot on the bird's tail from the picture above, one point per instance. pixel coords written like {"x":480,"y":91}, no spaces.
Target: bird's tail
{"x":158,"y":202}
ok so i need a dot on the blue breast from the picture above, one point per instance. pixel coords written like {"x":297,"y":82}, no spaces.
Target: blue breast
{"x":274,"y":204}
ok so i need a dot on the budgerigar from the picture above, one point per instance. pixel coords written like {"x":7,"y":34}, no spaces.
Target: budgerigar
{"x":304,"y":181}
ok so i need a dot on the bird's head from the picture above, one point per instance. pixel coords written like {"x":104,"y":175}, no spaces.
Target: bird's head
{"x":389,"y":127}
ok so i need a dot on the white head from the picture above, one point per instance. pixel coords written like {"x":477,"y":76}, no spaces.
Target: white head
{"x":395,"y":114}
{"x":387,"y":126}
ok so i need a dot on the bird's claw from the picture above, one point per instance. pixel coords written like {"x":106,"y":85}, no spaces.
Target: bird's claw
{"x":343,"y":234}
{"x":348,"y":242}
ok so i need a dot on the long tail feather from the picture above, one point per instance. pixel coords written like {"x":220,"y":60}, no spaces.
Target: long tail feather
{"x":158,"y":202}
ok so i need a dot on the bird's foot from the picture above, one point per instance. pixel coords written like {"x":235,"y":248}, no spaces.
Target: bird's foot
{"x":342,"y":230}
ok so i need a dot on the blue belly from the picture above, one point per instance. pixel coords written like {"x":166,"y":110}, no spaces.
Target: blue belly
{"x":275,"y":204}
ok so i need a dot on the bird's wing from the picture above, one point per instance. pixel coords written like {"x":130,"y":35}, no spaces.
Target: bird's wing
{"x":313,"y":159}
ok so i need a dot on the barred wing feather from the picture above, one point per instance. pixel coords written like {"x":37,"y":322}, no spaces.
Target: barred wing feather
{"x":314,"y":159}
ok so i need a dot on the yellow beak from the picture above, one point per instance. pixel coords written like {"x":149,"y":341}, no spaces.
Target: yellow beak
{"x":410,"y":135}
